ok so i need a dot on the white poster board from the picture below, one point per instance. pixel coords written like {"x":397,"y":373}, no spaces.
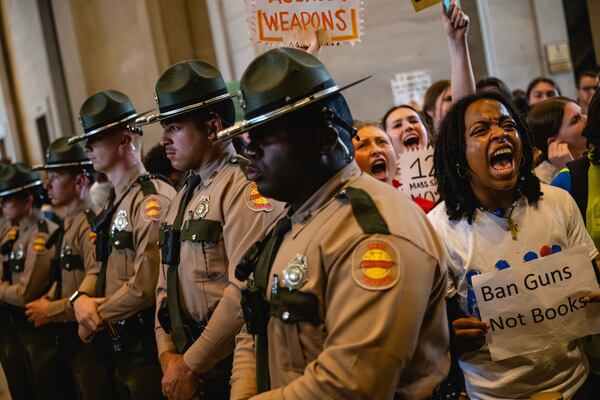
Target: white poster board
{"x":291,"y":23}
{"x":417,"y":174}
{"x":538,"y":303}
{"x":410,"y":87}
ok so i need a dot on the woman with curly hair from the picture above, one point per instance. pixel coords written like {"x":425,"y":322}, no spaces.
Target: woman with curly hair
{"x":494,"y":211}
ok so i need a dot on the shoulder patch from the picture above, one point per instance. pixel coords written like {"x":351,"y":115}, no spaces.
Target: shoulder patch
{"x":39,"y":243}
{"x":256,"y":201}
{"x":152,"y":209}
{"x":12,"y":233}
{"x":375,"y":265}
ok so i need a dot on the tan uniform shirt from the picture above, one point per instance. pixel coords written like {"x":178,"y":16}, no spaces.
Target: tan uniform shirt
{"x":206,"y":268}
{"x":78,"y":240}
{"x":29,"y":250}
{"x":131,"y":274}
{"x":381,"y":303}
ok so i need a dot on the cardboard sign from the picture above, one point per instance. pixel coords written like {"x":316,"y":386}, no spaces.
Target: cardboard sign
{"x":423,"y":4}
{"x":410,"y":87}
{"x":536,"y":304}
{"x":293,"y":22}
{"x":417,"y":174}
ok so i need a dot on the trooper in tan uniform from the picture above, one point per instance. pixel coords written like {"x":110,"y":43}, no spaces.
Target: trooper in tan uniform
{"x":26,"y":273}
{"x":74,"y":267}
{"x":126,"y":246}
{"x":214,"y":218}
{"x":345,"y":296}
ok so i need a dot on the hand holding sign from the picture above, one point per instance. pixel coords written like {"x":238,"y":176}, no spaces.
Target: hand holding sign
{"x":470,"y":333}
{"x":456,"y":22}
{"x":539,"y":303}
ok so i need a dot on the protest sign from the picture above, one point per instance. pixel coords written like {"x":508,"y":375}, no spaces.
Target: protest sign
{"x":417,"y":175}
{"x":410,"y":87}
{"x":423,"y":4}
{"x":293,"y":22}
{"x":538,"y":303}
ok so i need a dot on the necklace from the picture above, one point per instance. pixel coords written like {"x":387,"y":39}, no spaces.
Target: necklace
{"x":511,"y":225}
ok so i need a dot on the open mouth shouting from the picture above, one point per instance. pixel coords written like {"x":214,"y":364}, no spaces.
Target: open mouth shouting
{"x":502,"y":162}
{"x":411,"y":141}
{"x":379,"y":169}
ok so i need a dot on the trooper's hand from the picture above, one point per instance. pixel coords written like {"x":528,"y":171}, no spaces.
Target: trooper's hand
{"x":37,"y":311}
{"x":456,"y":24}
{"x":166,"y":359}
{"x":86,"y":335}
{"x":86,"y":311}
{"x":179,"y":382}
{"x":559,"y":154}
{"x":470,"y":333}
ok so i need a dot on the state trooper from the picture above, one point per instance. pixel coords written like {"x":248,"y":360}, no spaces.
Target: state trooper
{"x":74,"y":267}
{"x":25,"y":277}
{"x":345,"y":296}
{"x":213,"y":219}
{"x":122,"y":304}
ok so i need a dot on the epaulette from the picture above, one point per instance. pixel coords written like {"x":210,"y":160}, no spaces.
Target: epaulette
{"x":90,"y":215}
{"x":365,"y":211}
{"x":42,"y":226}
{"x":148,"y":186}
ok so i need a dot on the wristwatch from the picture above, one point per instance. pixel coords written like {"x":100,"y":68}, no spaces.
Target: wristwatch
{"x":76,"y":295}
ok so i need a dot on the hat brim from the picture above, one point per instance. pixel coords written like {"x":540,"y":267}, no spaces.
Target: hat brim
{"x":21,"y":188}
{"x":103,"y":128}
{"x":151,"y":119}
{"x":61,"y":165}
{"x":247,"y":124}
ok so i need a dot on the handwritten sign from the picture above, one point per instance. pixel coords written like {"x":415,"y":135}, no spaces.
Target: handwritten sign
{"x":410,"y":87}
{"x":417,"y":174}
{"x":423,"y":4}
{"x":538,"y":303}
{"x":293,"y":22}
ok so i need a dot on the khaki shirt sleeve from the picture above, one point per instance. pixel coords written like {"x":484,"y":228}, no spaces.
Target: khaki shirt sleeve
{"x":241,"y":229}
{"x":35,"y":277}
{"x":360,"y":364}
{"x":163,"y":339}
{"x":243,"y":373}
{"x":61,"y":310}
{"x":138,"y":292}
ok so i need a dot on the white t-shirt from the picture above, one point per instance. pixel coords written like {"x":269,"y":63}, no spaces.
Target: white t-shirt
{"x":552,"y":225}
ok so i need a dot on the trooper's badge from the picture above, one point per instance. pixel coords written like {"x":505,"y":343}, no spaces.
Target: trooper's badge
{"x":294,"y":275}
{"x":120,"y":222}
{"x":152,"y":209}
{"x":375,"y":265}
{"x":256,"y":201}
{"x":202,"y":208}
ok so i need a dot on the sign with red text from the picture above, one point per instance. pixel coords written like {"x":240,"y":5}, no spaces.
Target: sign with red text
{"x":417,"y":174}
{"x":293,"y":22}
{"x":539,"y":303}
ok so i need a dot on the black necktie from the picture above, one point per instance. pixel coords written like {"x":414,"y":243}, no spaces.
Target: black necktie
{"x":101,"y":282}
{"x":177,"y":332}
{"x":261,"y":280}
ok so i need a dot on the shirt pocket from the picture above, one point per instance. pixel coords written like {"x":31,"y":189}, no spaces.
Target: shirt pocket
{"x":286,"y":346}
{"x":206,"y":249}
